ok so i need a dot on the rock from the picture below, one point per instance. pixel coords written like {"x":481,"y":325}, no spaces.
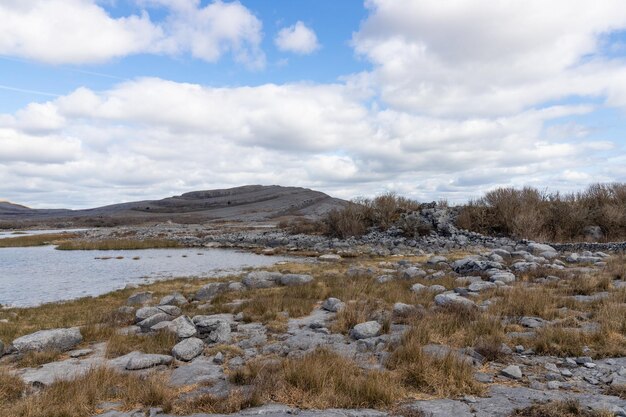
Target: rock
{"x":154,"y":319}
{"x":333,"y":305}
{"x":218,"y":358}
{"x":481,"y":286}
{"x":215,"y":330}
{"x":537,"y":248}
{"x":183,"y":327}
{"x":174,"y":299}
{"x":436,"y":289}
{"x":532,"y":322}
{"x":261,"y":279}
{"x":146,"y":312}
{"x":469,"y":265}
{"x":412,"y":273}
{"x":55,"y":339}
{"x":291,"y":280}
{"x":403,"y":310}
{"x":1,"y":348}
{"x":505,"y":277}
{"x":188,"y":349}
{"x":330,"y":257}
{"x":434,"y":260}
{"x":512,"y":371}
{"x":80,"y":353}
{"x":593,"y":233}
{"x":210,"y":290}
{"x":446,"y":299}
{"x":381,"y":279}
{"x":619,"y":381}
{"x":146,"y":360}
{"x":201,"y":370}
{"x":366,"y":330}
{"x":139,"y":298}
{"x":417,"y":288}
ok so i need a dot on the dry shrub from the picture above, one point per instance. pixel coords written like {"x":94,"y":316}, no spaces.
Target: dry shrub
{"x":301,"y":226}
{"x":534,"y":214}
{"x":361,"y":214}
{"x":566,"y":408}
{"x":79,"y":397}
{"x":160,"y":342}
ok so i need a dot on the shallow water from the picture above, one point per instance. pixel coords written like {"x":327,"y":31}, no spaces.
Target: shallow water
{"x":9,"y":234}
{"x":35,"y":275}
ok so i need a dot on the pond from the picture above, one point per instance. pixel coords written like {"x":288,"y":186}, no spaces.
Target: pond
{"x":34,"y":275}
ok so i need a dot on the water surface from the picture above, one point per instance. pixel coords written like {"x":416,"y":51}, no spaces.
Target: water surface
{"x":35,"y":275}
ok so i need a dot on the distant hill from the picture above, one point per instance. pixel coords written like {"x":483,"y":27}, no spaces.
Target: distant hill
{"x":247,"y":203}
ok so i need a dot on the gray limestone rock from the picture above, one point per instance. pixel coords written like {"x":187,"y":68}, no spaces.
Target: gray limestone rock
{"x":188,"y":349}
{"x":55,"y":339}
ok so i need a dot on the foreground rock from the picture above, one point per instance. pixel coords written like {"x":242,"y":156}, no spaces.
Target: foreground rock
{"x":188,"y":349}
{"x":55,"y":339}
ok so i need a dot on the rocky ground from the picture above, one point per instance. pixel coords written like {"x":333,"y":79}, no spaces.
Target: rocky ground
{"x":456,"y":324}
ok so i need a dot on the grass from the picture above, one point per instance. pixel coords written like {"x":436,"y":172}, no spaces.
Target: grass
{"x":80,"y":396}
{"x":118,"y":244}
{"x":617,"y":390}
{"x":160,"y":342}
{"x":11,"y":387}
{"x":35,"y":240}
{"x":567,"y":408}
{"x":33,"y":359}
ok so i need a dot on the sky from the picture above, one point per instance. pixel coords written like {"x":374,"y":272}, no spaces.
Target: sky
{"x":105,"y":101}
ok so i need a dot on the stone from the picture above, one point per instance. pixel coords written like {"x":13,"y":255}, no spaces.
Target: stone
{"x":619,"y":381}
{"x":218,"y":358}
{"x":481,"y":286}
{"x":183,"y":327}
{"x":537,"y":248}
{"x":210,"y":290}
{"x":215,"y":330}
{"x":512,"y":371}
{"x":366,"y":330}
{"x":1,"y":348}
{"x":139,"y":298}
{"x":447,"y":299}
{"x":152,"y":320}
{"x":333,"y":305}
{"x":330,"y":257}
{"x":532,"y":322}
{"x":412,"y":273}
{"x":434,"y":260}
{"x":593,"y":233}
{"x":261,"y":279}
{"x":147,"y":312}
{"x":200,"y":370}
{"x":469,"y":265}
{"x":174,"y":299}
{"x":403,"y":310}
{"x":291,"y":280}
{"x":80,"y":353}
{"x":188,"y":349}
{"x":506,"y":277}
{"x":417,"y":288}
{"x":436,"y":289}
{"x":147,"y":360}
{"x":55,"y":339}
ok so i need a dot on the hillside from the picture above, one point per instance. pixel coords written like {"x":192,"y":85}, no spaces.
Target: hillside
{"x":246,"y":203}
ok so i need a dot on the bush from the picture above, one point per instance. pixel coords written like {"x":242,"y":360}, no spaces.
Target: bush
{"x":357,"y":217}
{"x":539,"y":215}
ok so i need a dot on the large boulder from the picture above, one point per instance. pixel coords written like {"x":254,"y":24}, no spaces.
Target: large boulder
{"x":55,"y":339}
{"x":183,"y":327}
{"x":333,"y":305}
{"x":188,"y":349}
{"x":366,"y":330}
{"x":291,"y":280}
{"x":210,"y":291}
{"x":261,"y":279}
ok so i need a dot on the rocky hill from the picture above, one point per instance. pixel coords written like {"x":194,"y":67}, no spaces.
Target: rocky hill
{"x":249,"y":203}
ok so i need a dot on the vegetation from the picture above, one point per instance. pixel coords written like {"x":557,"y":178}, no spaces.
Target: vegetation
{"x":540,"y":215}
{"x":117,"y":244}
{"x":35,"y":240}
{"x":159,"y":342}
{"x":568,"y":408}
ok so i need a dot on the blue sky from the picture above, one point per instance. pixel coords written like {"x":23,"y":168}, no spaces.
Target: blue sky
{"x":113,"y":100}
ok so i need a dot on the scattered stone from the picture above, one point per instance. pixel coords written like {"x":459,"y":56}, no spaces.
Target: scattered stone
{"x":481,"y":286}
{"x":147,"y":360}
{"x":446,"y":299}
{"x":213,"y":329}
{"x":403,"y":310}
{"x":366,"y":330}
{"x":532,"y":322}
{"x":412,"y":273}
{"x":218,"y":358}
{"x":506,"y":277}
{"x":55,"y":339}
{"x":188,"y":349}
{"x":333,"y":305}
{"x":139,"y":298}
{"x":80,"y":353}
{"x":417,"y":288}
{"x":183,"y":327}
{"x":210,"y":291}
{"x":291,"y":280}
{"x":261,"y":279}
{"x":174,"y":299}
{"x":512,"y":371}
{"x":330,"y":257}
{"x":437,"y":289}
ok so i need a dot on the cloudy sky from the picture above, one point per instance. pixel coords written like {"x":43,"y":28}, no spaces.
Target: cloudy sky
{"x":104,"y":101}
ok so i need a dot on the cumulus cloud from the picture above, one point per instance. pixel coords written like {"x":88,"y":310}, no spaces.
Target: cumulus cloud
{"x":298,"y":39}
{"x":81,"y":31}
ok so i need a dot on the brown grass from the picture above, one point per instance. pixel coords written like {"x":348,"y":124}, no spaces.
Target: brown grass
{"x":534,"y":214}
{"x":237,"y":400}
{"x":118,"y":244}
{"x":79,"y":397}
{"x":35,"y":240}
{"x":617,"y":390}
{"x":567,"y":408}
{"x":34,"y":359}
{"x":11,"y":387}
{"x":160,"y":342}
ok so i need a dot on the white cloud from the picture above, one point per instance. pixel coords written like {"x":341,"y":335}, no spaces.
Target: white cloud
{"x":80,"y":31}
{"x":298,"y":39}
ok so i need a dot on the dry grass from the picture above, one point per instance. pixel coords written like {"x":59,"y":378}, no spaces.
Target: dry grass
{"x":34,"y":359}
{"x":35,"y":240}
{"x":321,"y":379}
{"x":617,"y":390}
{"x":567,"y":408}
{"x":237,"y":400}
{"x":539,"y":215}
{"x":118,"y":244}
{"x":11,"y":387}
{"x":79,"y":397}
{"x":160,"y":342}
